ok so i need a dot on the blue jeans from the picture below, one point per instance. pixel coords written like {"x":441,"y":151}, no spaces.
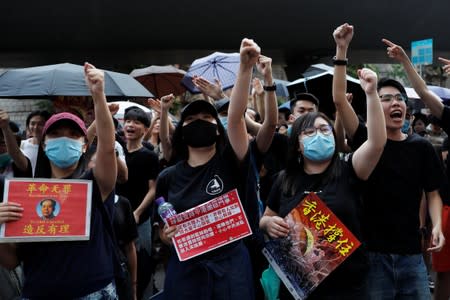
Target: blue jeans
{"x":225,"y":274}
{"x":144,"y":240}
{"x":106,"y":293}
{"x":394,"y":276}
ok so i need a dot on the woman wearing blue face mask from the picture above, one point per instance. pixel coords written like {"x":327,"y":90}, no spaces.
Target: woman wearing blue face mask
{"x":313,"y":165}
{"x":74,"y":269}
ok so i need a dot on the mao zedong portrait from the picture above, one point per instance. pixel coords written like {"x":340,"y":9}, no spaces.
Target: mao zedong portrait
{"x":48,"y":209}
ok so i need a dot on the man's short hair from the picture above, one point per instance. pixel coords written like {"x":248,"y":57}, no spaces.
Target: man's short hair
{"x":304,"y":97}
{"x":49,"y":199}
{"x":138,"y":114}
{"x":384,"y":82}
{"x":285,"y":112}
{"x":42,"y":113}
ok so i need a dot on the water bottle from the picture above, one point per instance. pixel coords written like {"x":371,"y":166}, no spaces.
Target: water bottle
{"x":165,"y":209}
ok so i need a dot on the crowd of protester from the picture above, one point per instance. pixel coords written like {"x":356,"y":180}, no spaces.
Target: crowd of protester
{"x":384,"y":175}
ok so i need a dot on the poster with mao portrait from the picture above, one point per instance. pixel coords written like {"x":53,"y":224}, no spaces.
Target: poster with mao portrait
{"x":54,"y":210}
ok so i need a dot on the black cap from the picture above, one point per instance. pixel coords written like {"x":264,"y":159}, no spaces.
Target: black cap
{"x":306,"y":97}
{"x":222,"y":104}
{"x":198,"y":106}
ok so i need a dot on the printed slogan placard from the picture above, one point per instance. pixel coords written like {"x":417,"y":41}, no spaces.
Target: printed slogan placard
{"x":54,"y":210}
{"x":317,"y":243}
{"x":210,"y":225}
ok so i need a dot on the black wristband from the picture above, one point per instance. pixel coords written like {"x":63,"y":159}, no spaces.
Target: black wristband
{"x":339,"y":62}
{"x":270,"y":87}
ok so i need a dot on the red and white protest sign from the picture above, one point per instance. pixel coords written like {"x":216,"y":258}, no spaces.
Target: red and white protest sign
{"x":53,"y":210}
{"x":209,"y":226}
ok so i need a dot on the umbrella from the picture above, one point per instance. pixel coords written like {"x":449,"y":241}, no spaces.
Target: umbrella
{"x":161,"y":80}
{"x":318,"y":80}
{"x":417,"y":104}
{"x":221,"y":66}
{"x":441,"y":92}
{"x":64,"y":80}
{"x":123,"y":105}
{"x":282,"y":89}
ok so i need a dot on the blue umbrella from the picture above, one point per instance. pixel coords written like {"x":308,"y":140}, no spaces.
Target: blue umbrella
{"x":65,"y":80}
{"x":221,"y":66}
{"x":442,"y":92}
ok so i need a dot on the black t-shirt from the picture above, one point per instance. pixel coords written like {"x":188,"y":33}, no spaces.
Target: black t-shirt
{"x":274,"y":162}
{"x":71,"y":269}
{"x":142,"y":167}
{"x":124,"y":225}
{"x":393,"y":193}
{"x":445,"y":123}
{"x":342,"y":196}
{"x":252,"y":184}
{"x":186,"y":187}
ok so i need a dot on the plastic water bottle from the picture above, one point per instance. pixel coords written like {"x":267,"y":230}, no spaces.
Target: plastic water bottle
{"x":165,"y":209}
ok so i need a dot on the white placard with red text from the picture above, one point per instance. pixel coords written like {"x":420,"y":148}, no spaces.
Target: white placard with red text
{"x":209,"y":226}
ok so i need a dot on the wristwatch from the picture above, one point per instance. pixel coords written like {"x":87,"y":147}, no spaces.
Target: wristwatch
{"x":270,"y":87}
{"x":339,"y":62}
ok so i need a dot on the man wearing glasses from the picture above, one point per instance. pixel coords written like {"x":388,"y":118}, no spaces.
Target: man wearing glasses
{"x":408,"y":166}
{"x":441,"y":115}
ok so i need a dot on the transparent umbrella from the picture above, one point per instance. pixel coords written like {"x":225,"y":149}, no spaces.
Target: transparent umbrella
{"x":220,"y":66}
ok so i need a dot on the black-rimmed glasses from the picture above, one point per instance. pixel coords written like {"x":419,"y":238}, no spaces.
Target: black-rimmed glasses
{"x":324,"y":129}
{"x":390,"y":97}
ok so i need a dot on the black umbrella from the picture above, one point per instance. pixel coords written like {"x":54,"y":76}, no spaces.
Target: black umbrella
{"x":318,"y":80}
{"x":64,"y":80}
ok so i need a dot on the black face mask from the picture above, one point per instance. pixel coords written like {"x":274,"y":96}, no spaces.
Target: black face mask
{"x":200,"y":133}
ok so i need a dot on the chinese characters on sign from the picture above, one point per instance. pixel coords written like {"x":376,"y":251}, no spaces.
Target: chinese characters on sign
{"x":53,"y":210}
{"x":332,"y":232}
{"x":317,"y":243}
{"x":210,"y":225}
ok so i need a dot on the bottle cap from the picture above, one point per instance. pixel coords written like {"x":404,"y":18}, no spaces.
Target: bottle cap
{"x":160,"y":200}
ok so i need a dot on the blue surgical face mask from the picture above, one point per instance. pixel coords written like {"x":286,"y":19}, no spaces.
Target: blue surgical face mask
{"x":319,"y":147}
{"x":63,"y":152}
{"x":405,"y":127}
{"x":224,"y":121}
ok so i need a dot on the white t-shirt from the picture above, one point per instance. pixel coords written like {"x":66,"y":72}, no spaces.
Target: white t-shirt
{"x":31,"y":151}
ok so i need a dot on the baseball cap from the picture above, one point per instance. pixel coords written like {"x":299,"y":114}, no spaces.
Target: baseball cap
{"x":306,"y":97}
{"x":198,"y":106}
{"x":64,"y":116}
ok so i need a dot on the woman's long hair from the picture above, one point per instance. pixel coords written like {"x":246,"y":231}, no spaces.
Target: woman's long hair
{"x":295,"y":160}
